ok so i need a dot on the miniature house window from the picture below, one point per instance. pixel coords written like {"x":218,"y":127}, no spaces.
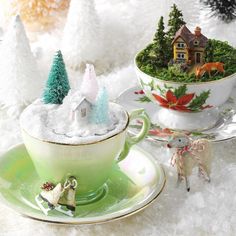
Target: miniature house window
{"x":196,"y":43}
{"x":180,"y":55}
{"x":83,"y":112}
{"x":180,"y":45}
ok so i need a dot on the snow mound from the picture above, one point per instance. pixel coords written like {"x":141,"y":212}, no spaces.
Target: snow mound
{"x":54,"y":123}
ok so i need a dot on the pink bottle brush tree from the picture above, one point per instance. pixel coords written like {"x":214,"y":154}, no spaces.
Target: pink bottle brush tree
{"x":89,"y":87}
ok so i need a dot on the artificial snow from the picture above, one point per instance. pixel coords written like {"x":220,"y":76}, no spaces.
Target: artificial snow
{"x":209,"y":208}
{"x":55,"y":123}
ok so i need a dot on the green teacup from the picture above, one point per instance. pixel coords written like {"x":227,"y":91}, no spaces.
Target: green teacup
{"x":90,"y":163}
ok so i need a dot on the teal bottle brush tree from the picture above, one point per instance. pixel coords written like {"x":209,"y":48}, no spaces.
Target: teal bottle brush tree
{"x":57,"y":86}
{"x":100,"y":110}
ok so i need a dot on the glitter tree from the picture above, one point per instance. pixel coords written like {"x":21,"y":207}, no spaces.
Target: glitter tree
{"x":82,"y":42}
{"x":20,"y":80}
{"x":57,"y":86}
{"x":89,"y":87}
{"x":100,"y":110}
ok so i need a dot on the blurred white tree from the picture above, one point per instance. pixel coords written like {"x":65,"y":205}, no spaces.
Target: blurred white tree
{"x":20,"y":80}
{"x":82,"y":39}
{"x":37,"y":15}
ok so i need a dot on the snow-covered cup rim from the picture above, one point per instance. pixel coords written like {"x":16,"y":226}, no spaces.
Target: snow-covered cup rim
{"x":88,"y":143}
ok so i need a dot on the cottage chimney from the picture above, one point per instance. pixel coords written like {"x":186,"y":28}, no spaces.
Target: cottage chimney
{"x":197,"y":31}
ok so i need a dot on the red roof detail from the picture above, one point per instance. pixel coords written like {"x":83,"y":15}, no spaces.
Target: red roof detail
{"x":189,"y":37}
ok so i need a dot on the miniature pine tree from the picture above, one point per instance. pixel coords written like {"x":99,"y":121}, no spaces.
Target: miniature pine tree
{"x":160,"y":34}
{"x":20,"y":80}
{"x":100,"y":110}
{"x":57,"y":86}
{"x":224,"y":10}
{"x":175,"y":21}
{"x":82,"y":42}
{"x":160,"y":44}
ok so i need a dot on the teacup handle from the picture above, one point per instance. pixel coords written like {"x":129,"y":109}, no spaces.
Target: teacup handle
{"x":131,"y":140}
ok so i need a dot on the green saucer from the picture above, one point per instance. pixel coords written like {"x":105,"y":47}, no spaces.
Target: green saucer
{"x":132,"y":186}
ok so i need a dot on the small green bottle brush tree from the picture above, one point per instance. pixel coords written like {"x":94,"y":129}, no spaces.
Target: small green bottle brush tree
{"x":57,"y":86}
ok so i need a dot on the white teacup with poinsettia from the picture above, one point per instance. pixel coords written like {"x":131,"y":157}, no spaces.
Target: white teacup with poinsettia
{"x":188,"y":106}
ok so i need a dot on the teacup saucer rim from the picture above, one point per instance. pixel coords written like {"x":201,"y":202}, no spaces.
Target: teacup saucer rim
{"x":30,"y":215}
{"x":139,"y":209}
{"x":156,"y":139}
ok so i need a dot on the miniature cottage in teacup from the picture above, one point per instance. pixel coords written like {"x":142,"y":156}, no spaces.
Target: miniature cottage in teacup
{"x":83,"y":100}
{"x":62,"y":148}
{"x":81,"y":110}
{"x":188,"y":75}
{"x":189,"y":47}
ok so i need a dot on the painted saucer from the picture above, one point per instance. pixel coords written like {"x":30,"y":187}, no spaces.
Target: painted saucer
{"x":133,"y":184}
{"x":224,"y":129}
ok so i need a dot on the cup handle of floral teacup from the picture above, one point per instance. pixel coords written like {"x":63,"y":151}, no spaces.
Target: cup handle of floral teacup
{"x":131,"y":140}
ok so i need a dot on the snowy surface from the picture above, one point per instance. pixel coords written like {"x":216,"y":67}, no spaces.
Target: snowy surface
{"x":38,"y":120}
{"x":209,"y":209}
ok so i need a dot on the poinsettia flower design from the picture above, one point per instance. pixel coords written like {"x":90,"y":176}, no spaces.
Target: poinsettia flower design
{"x":172,"y":102}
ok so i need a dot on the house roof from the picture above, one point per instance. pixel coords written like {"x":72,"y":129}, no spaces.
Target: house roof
{"x":78,"y":102}
{"x":189,"y":37}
